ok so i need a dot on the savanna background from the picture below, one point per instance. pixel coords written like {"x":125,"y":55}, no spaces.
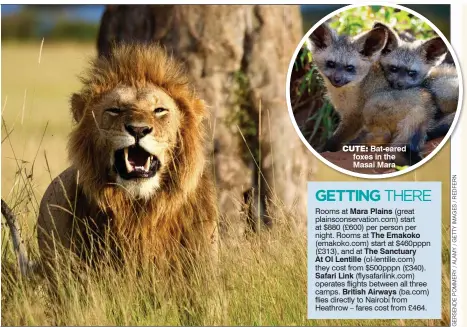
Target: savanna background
{"x":44,"y":48}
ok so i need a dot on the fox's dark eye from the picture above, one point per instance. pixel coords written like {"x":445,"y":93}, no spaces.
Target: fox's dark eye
{"x":350,"y":68}
{"x":412,"y":73}
{"x":330,"y":64}
{"x":160,"y":110}
{"x":113,"y":111}
{"x":393,"y":69}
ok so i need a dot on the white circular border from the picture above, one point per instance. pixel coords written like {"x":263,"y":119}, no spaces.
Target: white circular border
{"x":396,"y":173}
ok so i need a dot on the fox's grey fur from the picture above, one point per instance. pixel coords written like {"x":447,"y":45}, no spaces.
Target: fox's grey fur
{"x":419,"y":63}
{"x":363,"y":97}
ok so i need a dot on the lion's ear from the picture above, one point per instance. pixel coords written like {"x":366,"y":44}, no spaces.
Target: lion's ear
{"x":77,"y":106}
{"x":200,"y":109}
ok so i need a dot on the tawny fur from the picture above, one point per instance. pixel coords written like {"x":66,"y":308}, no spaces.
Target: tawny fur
{"x":182,"y":212}
{"x":443,"y":83}
{"x":361,"y":52}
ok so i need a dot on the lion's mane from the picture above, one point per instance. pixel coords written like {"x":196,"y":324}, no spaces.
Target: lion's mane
{"x":183,"y":210}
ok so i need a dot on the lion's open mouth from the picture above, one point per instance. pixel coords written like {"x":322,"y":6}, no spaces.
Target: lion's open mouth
{"x":135,"y":162}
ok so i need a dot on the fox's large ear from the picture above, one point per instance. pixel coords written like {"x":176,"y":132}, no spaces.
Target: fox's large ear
{"x":393,"y":40}
{"x":321,"y":37}
{"x":77,"y":106}
{"x":434,"y":50}
{"x":372,"y":41}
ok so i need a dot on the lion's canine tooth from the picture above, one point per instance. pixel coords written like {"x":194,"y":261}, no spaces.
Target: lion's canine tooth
{"x":147,"y":164}
{"x":129,"y":168}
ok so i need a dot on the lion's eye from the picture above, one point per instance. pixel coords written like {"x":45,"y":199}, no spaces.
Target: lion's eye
{"x":160,"y":111}
{"x":113,"y":111}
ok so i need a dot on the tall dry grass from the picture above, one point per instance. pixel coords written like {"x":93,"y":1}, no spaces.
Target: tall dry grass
{"x":263,"y":277}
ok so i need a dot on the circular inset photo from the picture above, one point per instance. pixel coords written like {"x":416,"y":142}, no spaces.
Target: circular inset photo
{"x":374,"y":91}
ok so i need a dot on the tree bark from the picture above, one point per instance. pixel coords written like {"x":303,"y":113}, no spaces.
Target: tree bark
{"x":237,"y":56}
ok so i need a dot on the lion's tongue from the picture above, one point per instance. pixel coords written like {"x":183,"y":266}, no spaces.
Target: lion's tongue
{"x":136,"y":159}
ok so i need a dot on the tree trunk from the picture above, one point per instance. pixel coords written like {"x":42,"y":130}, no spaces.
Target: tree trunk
{"x":237,"y":56}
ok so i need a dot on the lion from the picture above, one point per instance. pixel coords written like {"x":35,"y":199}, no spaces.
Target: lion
{"x":138,"y":170}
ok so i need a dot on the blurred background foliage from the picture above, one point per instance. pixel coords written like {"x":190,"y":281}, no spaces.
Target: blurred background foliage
{"x":53,"y":22}
{"x":314,"y":114}
{"x":81,"y":22}
{"x":361,"y":19}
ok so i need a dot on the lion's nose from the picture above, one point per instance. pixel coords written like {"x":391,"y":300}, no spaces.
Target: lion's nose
{"x":138,"y":131}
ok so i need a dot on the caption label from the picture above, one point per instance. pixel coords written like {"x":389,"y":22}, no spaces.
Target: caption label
{"x":374,"y":157}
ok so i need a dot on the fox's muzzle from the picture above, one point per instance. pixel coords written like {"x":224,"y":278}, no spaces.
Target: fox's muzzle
{"x":338,"y":79}
{"x":398,"y":85}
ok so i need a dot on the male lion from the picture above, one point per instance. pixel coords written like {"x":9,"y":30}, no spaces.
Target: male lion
{"x":138,"y":173}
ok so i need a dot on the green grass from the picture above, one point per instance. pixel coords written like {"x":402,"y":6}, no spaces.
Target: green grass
{"x":264,"y":276}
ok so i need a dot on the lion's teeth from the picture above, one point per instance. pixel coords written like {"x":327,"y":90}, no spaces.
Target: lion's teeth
{"x":129,"y":168}
{"x":147,"y":164}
